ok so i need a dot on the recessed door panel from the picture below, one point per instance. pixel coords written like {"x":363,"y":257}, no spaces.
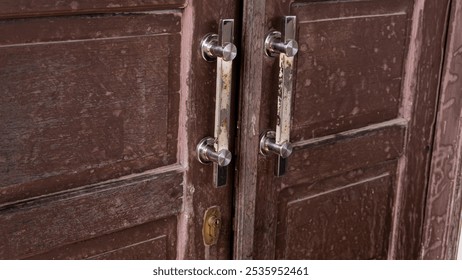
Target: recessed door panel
{"x":344,"y":217}
{"x":349,"y":70}
{"x":154,"y":240}
{"x":85,"y":109}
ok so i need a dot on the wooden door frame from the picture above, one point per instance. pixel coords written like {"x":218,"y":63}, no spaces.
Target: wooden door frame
{"x":424,"y":66}
{"x":442,"y":220}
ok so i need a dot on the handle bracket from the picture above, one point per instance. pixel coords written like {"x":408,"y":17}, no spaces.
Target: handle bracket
{"x":285,"y":46}
{"x":215,"y":149}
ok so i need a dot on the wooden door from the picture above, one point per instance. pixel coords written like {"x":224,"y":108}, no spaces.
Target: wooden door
{"x":102,"y":104}
{"x":365,"y":86}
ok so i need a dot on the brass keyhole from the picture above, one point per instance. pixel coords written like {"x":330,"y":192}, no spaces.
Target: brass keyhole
{"x":211,"y":226}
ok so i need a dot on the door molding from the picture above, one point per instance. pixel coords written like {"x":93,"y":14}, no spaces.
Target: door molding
{"x":442,"y":218}
{"x":250,"y":95}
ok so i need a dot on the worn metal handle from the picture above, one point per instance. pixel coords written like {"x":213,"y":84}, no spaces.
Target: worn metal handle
{"x":284,"y":45}
{"x":219,"y":47}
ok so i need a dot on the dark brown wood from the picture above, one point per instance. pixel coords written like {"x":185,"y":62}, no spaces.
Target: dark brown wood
{"x":334,"y":95}
{"x":441,"y":230}
{"x":76,"y":111}
{"x":253,"y":22}
{"x":343,"y":217}
{"x":420,"y":90}
{"x":154,"y":240}
{"x":365,"y":97}
{"x":101,"y":113}
{"x":363,"y":69}
{"x":196,"y":122}
{"x":42,"y":224}
{"x":345,"y":152}
{"x":73,"y":28}
{"x":25,"y":8}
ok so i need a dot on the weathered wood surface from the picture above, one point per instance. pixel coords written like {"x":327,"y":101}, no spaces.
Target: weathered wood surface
{"x":420,"y":95}
{"x":343,"y":217}
{"x":66,"y":29}
{"x":198,"y":82}
{"x":443,"y":212}
{"x":39,"y":225}
{"x":253,"y":23}
{"x":329,"y":156}
{"x":26,"y":8}
{"x":96,"y":95}
{"x":347,"y":79}
{"x":354,"y":113}
{"x":358,"y":68}
{"x":76,"y":110}
{"x":154,"y":241}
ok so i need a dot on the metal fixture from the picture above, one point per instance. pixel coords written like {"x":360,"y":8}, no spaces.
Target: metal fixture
{"x":284,"y":45}
{"x":215,"y":149}
{"x":206,"y":153}
{"x":211,"y":225}
{"x":268,"y":144}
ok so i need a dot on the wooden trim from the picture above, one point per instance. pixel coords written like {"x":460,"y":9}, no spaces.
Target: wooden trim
{"x":250,"y":96}
{"x":423,"y":71}
{"x":442,"y":220}
{"x":11,"y":9}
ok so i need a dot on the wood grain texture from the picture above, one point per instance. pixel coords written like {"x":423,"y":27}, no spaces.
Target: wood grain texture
{"x":25,"y":8}
{"x":319,"y":10}
{"x":153,"y":240}
{"x":77,"y":109}
{"x":39,"y":225}
{"x":86,"y":27}
{"x":316,"y":160}
{"x":257,"y":86}
{"x":368,"y":146}
{"x":248,"y":128}
{"x":344,"y":80}
{"x":400,"y":81}
{"x":338,"y":151}
{"x":420,"y":92}
{"x":198,"y":90}
{"x":443,"y":211}
{"x":343,"y":217}
{"x":123,"y":90}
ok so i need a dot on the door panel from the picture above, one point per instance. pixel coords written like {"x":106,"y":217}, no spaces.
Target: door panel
{"x":83,"y":110}
{"x":356,"y":117}
{"x":154,"y":240}
{"x":353,"y":216}
{"x":97,"y":150}
{"x":358,"y":75}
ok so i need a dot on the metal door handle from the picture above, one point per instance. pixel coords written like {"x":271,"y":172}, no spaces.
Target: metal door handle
{"x":284,"y":45}
{"x":215,"y":149}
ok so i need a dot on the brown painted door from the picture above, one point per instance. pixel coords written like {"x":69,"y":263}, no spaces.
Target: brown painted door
{"x":102,"y":104}
{"x":365,"y":87}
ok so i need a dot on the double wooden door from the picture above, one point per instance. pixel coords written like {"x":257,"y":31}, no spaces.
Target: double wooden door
{"x":102,"y":105}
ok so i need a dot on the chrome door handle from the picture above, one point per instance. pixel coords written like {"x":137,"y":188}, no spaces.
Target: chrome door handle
{"x":215,"y":149}
{"x":284,"y":45}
